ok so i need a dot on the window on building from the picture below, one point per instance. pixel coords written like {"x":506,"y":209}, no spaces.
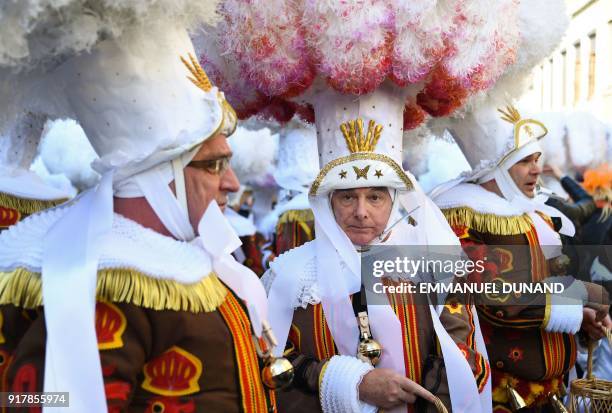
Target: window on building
{"x":564,"y":78}
{"x":551,"y":82}
{"x":577,"y":73}
{"x":592,"y":64}
{"x":542,"y":87}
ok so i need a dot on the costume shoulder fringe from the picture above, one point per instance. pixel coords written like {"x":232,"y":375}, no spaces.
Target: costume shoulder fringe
{"x":299,"y":216}
{"x":23,"y":289}
{"x":487,"y":222}
{"x":27,"y":206}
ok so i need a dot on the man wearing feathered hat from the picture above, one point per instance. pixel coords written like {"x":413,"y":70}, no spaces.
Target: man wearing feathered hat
{"x":376,"y":68}
{"x":356,"y":199}
{"x":496,"y":212}
{"x":144,"y":308}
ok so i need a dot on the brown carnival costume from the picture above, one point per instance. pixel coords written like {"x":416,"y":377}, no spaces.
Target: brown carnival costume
{"x":354,"y":155}
{"x":296,"y":168}
{"x":529,"y":339}
{"x":173,"y":315}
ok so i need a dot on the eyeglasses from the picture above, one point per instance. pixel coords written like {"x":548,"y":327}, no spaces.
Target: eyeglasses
{"x":212,"y":166}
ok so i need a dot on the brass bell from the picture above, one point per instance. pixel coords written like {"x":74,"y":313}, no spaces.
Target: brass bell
{"x":369,"y":350}
{"x":559,"y":265}
{"x":517,"y":403}
{"x":277,"y":373}
{"x":557,"y":404}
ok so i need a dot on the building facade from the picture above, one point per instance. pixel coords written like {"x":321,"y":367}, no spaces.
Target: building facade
{"x":578,"y":75}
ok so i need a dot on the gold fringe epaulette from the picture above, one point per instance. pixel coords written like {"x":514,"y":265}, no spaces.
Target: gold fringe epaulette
{"x":27,"y":206}
{"x":300,"y":215}
{"x":488,"y":223}
{"x":23,"y":288}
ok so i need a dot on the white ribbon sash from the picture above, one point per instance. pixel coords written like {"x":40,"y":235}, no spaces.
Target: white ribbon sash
{"x":69,"y":277}
{"x":220,"y":241}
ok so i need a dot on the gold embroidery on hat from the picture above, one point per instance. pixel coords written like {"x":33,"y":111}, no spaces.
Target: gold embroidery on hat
{"x":200,"y":79}
{"x":342,"y":174}
{"x":510,"y":114}
{"x":363,"y":156}
{"x":361,"y":173}
{"x":356,"y":140}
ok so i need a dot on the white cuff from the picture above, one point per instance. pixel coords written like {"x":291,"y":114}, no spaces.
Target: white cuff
{"x":564,"y":311}
{"x":338,"y":388}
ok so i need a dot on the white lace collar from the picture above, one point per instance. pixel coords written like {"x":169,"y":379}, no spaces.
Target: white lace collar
{"x":478,"y":198}
{"x":301,"y":264}
{"x":129,"y":246}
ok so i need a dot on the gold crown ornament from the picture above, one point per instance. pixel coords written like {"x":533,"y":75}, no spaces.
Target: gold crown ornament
{"x":356,"y":141}
{"x":200,"y":80}
{"x":525,"y":130}
{"x":361,"y":145}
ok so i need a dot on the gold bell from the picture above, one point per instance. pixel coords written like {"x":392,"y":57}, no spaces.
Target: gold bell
{"x":557,"y":404}
{"x":277,"y":372}
{"x":369,"y":350}
{"x":517,"y":403}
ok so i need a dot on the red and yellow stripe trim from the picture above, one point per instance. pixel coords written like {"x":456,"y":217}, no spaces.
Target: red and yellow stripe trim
{"x":404,"y":308}
{"x":482,"y":369}
{"x":469,"y":340}
{"x":559,"y":352}
{"x":323,"y":340}
{"x":252,"y":391}
{"x":539,"y":266}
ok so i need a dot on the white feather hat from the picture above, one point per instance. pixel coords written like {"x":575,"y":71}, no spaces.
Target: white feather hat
{"x":136,"y":104}
{"x":360,"y":140}
{"x":254,"y":153}
{"x":487,"y":137}
{"x":17,"y":152}
{"x":298,"y":163}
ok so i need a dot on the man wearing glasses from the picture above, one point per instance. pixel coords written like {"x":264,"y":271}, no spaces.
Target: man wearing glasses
{"x":146,"y":254}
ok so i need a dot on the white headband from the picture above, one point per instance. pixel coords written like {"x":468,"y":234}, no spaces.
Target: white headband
{"x":153,"y":185}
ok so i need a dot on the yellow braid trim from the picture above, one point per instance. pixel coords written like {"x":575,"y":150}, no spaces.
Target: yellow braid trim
{"x":300,"y":216}
{"x":488,"y":223}
{"x":23,"y":288}
{"x":27,"y":206}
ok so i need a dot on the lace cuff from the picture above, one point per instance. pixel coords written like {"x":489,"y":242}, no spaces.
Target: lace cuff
{"x":564,"y":311}
{"x":339,"y":383}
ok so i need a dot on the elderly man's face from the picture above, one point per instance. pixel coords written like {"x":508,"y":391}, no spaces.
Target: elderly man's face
{"x":209,"y":178}
{"x":525,"y":174}
{"x":362,"y":213}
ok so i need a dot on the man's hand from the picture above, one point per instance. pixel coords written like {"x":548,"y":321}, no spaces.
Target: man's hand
{"x":549,"y":169}
{"x":593,"y":324}
{"x":386,"y":389}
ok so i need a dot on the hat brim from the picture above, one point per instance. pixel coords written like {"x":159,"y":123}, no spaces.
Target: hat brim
{"x":359,"y":170}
